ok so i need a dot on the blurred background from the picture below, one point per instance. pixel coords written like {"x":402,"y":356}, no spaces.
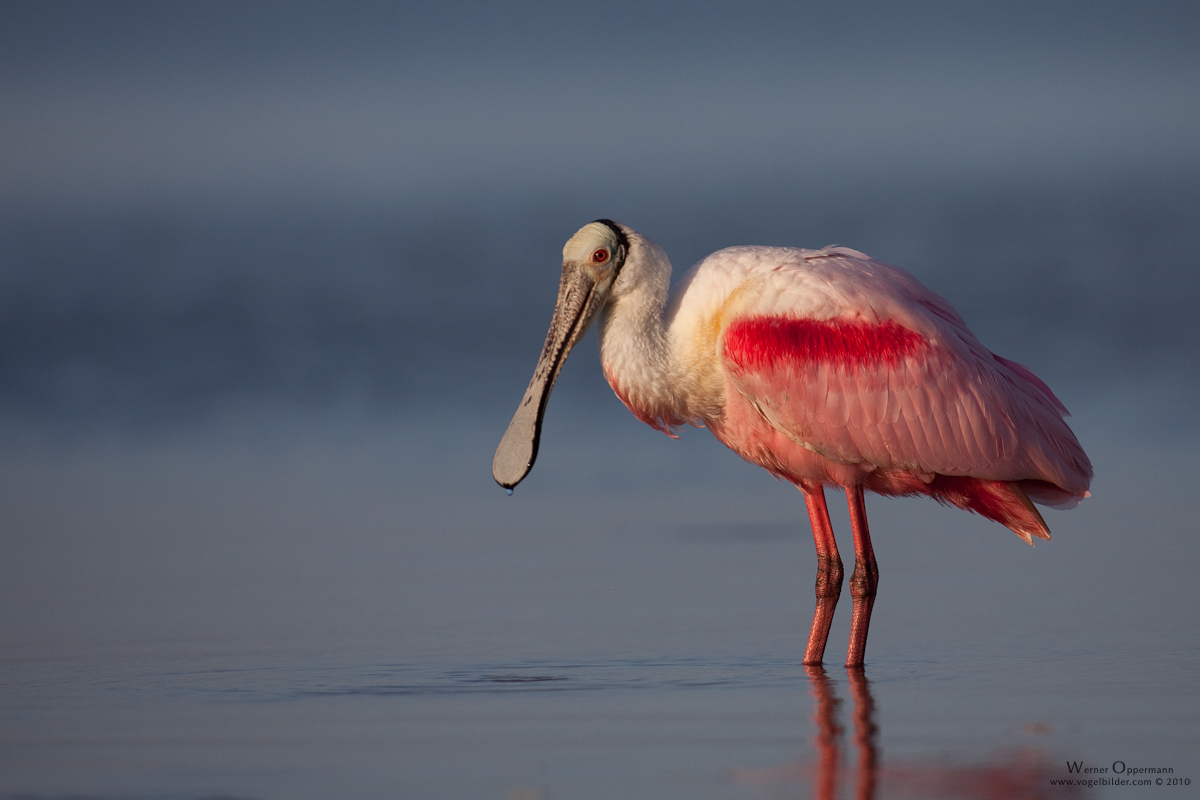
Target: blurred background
{"x":311,"y":203}
{"x":273,"y":277}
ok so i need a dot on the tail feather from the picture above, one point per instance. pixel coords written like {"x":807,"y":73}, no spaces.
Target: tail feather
{"x":1005,"y":502}
{"x":1050,"y":495}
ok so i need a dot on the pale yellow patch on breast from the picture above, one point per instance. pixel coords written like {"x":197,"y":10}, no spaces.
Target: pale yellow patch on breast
{"x":699,"y":356}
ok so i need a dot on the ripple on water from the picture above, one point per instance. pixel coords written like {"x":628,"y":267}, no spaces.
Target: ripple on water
{"x":275,"y":682}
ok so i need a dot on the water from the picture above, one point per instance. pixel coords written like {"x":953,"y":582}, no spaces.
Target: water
{"x":253,"y":549}
{"x":733,"y":727}
{"x":326,"y":607}
{"x":272,"y":281}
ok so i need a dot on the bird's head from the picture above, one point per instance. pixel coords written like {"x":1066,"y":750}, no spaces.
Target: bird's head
{"x":592,"y":262}
{"x":597,"y":251}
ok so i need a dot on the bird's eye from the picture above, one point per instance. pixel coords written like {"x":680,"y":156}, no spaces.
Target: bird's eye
{"x":600,"y":256}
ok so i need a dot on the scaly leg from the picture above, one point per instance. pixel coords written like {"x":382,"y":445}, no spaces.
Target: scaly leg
{"x":829,"y":571}
{"x":864,"y":578}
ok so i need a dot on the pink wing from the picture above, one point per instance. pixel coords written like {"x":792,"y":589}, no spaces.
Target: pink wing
{"x":898,"y":382}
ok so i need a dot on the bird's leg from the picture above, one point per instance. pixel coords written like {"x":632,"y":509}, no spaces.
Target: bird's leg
{"x":863,"y":580}
{"x":829,"y":571}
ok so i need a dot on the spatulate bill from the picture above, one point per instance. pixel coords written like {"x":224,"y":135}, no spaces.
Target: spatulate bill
{"x":578,"y":301}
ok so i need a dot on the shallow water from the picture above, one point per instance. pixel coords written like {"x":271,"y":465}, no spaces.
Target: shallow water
{"x":272,"y":279}
{"x":319,"y":607}
{"x":638,"y":728}
{"x":252,"y":548}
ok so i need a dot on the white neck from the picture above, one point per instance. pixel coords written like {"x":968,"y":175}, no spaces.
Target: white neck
{"x":636,"y":348}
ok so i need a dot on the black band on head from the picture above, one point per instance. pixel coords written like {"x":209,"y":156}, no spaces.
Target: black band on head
{"x":615,"y":228}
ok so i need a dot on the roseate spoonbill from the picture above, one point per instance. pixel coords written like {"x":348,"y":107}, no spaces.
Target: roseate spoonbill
{"x":824,"y":367}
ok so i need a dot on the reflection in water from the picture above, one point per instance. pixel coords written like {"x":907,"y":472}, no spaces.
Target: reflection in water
{"x":829,"y":733}
{"x":1024,"y":776}
{"x":864,"y":730}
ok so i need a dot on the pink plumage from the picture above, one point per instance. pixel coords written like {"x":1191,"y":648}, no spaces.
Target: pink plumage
{"x":783,"y":343}
{"x":825,"y":367}
{"x":841,"y":369}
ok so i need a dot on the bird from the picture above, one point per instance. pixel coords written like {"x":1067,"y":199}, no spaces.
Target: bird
{"x":827,"y":368}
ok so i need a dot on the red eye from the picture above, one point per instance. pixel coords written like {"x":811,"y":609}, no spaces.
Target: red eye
{"x":600,"y":256}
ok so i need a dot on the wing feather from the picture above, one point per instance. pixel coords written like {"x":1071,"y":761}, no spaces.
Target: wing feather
{"x":881,"y":372}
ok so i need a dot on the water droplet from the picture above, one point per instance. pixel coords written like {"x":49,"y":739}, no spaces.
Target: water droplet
{"x":509,"y":492}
